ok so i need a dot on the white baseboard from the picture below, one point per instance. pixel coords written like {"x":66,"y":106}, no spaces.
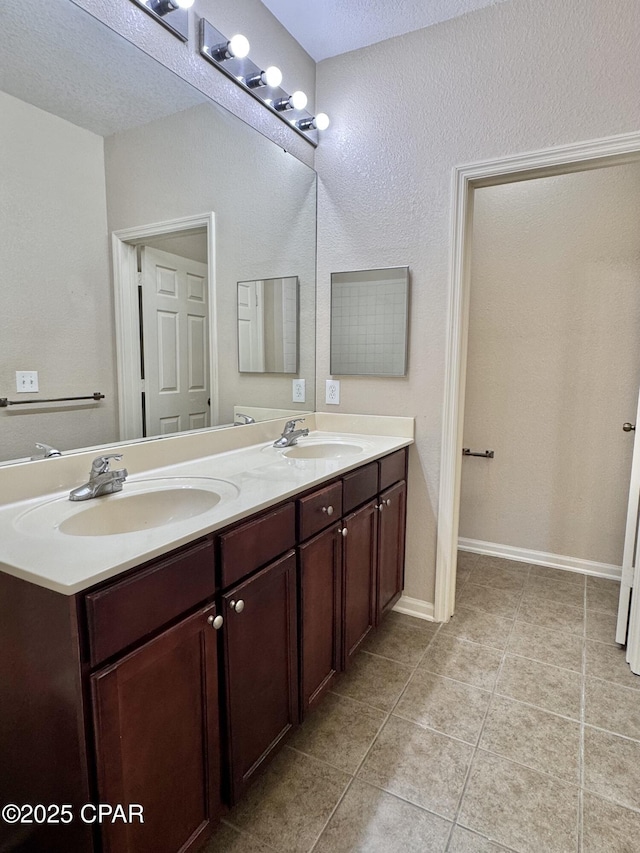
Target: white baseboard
{"x":541,"y":558}
{"x":415,"y":607}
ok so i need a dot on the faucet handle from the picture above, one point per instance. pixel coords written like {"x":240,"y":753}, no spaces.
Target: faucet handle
{"x":48,"y":450}
{"x":100,"y":465}
{"x":290,"y":425}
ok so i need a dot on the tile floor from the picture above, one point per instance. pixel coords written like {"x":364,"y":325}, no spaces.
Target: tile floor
{"x":515,"y":727}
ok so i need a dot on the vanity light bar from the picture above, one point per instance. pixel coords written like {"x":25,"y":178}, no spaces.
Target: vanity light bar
{"x":172,"y":14}
{"x":255,"y":80}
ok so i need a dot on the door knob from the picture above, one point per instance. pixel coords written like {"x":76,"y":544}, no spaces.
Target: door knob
{"x":628,"y":427}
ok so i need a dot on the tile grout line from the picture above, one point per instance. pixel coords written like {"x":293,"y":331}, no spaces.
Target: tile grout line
{"x":476,"y":748}
{"x":373,"y":742}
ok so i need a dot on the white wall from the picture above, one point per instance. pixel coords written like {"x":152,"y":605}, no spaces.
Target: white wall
{"x":553,"y":363}
{"x":271,"y":44}
{"x":515,"y":77}
{"x":55,"y":273}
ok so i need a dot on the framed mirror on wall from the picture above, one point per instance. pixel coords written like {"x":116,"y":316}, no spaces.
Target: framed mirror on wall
{"x":98,"y":140}
{"x":370,"y":322}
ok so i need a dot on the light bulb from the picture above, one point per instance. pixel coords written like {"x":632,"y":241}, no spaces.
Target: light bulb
{"x":272,"y":76}
{"x":238,"y":46}
{"x":184,"y":4}
{"x":298,"y":100}
{"x":321,"y":121}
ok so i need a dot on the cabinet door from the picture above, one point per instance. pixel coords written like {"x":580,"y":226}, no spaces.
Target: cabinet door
{"x":359,"y":564}
{"x":391,"y":528}
{"x":157,"y":739}
{"x":261,"y":667}
{"x":320,"y":566}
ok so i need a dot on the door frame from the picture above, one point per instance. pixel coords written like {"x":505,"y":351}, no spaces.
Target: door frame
{"x":124,"y":244}
{"x":593,"y":154}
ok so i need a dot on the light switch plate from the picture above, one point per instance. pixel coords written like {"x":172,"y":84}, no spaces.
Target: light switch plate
{"x":299,"y":391}
{"x":26,"y":381}
{"x":333,"y":392}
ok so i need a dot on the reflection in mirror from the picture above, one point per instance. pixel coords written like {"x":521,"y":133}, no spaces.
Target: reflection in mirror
{"x":268,"y":325}
{"x":97,"y":138}
{"x":369,"y":322}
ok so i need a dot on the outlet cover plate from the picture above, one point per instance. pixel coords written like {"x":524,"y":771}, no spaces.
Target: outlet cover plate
{"x":299,"y":392}
{"x":333,"y":392}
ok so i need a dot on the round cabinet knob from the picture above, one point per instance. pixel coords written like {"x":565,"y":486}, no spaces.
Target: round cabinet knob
{"x":216,"y":622}
{"x":238,"y":605}
{"x":387,"y":502}
{"x":628,"y":427}
{"x":343,"y":530}
{"x":328,"y":510}
{"x":381,"y":507}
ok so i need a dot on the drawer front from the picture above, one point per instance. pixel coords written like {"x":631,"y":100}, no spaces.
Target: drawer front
{"x":255,"y":543}
{"x":128,"y":610}
{"x":392,"y":468}
{"x":359,"y":486}
{"x":319,"y":510}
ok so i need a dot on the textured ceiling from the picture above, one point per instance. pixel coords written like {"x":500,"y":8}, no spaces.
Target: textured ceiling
{"x":62,"y":42}
{"x":328,"y":27}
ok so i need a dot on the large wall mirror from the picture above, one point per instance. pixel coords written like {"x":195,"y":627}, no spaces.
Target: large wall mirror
{"x":126,"y":201}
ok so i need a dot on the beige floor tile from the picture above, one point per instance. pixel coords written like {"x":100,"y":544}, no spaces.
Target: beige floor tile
{"x":448,"y":706}
{"x":373,"y":680}
{"x":495,"y":575}
{"x":500,"y":602}
{"x":500,"y":563}
{"x":609,"y":662}
{"x":371,"y":821}
{"x":466,"y":560}
{"x":290,"y":803}
{"x":339,"y":731}
{"x":418,"y":765}
{"x":612,"y":767}
{"x":548,"y":687}
{"x":601,"y":626}
{"x":226,"y":839}
{"x":609,"y":828}
{"x":541,"y":740}
{"x":478,"y":627}
{"x":602,"y":594}
{"x":563,"y":575}
{"x":402,"y":638}
{"x":465,"y":841}
{"x":612,"y":707}
{"x":550,"y":614}
{"x":544,"y":589}
{"x":519,"y":807}
{"x":546,"y":646}
{"x":462,"y":578}
{"x":464,"y":661}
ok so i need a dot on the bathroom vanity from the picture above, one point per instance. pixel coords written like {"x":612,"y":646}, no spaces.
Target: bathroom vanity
{"x":171,"y":682}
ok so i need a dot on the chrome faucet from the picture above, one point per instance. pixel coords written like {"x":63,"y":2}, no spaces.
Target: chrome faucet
{"x":290,"y":434}
{"x":47,"y":451}
{"x":102,"y":480}
{"x":246,"y":419}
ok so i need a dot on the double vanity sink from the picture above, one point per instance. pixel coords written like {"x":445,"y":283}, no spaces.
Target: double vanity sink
{"x":159,"y":644}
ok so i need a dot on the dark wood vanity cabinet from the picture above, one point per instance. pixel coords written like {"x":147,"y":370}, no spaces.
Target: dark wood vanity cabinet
{"x":392,"y":509}
{"x":359,"y":533}
{"x":261,"y":668}
{"x":157,"y":738}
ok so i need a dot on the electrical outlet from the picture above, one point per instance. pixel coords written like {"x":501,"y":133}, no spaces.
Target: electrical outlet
{"x":299,"y":391}
{"x":26,"y":381}
{"x":333,"y":392}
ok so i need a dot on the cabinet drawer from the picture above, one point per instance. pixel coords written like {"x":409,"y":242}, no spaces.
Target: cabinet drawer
{"x":129,"y":610}
{"x":256,"y":543}
{"x":392,"y":468}
{"x":319,"y":510}
{"x":359,"y":486}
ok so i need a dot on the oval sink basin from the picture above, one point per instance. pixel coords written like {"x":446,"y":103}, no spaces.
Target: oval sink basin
{"x":322,"y":450}
{"x":141,"y":505}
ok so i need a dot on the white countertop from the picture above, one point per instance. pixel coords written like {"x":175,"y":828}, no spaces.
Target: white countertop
{"x":254,"y":477}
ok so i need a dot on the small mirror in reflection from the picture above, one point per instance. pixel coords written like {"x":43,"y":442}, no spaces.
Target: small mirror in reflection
{"x":268,"y":325}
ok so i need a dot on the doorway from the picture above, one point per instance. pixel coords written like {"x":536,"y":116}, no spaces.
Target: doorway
{"x":164,"y":282}
{"x":467,"y":179}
